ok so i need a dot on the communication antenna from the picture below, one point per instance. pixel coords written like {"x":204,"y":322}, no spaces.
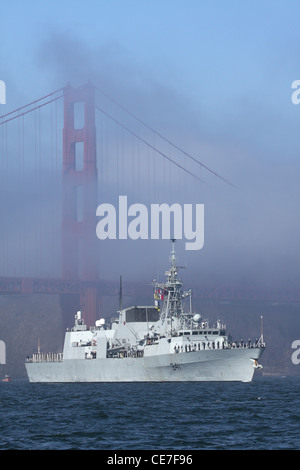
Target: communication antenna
{"x":173,"y":257}
{"x":261,"y":329}
{"x":120,"y":294}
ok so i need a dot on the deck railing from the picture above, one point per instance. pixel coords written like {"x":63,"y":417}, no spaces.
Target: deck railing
{"x":45,"y":357}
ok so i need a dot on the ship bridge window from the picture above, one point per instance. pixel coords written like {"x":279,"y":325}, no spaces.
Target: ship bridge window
{"x":142,"y":314}
{"x":186,"y":333}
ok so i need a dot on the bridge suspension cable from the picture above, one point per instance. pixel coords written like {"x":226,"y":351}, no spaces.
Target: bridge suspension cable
{"x":33,"y":105}
{"x":165,"y":139}
{"x":147,"y":143}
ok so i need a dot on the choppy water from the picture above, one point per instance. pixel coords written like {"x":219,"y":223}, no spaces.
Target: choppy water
{"x":264,"y":414}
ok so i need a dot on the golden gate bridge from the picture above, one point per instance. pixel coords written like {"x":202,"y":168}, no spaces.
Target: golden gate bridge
{"x":56,"y":164}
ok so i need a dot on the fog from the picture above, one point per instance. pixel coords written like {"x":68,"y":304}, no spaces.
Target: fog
{"x":248,"y":135}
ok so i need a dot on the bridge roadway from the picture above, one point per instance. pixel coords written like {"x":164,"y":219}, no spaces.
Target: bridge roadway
{"x":20,"y":285}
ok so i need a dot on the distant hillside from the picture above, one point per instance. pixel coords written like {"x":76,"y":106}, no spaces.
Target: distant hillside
{"x":26,"y":320}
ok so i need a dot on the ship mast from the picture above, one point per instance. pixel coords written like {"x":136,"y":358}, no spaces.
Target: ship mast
{"x":120,"y":295}
{"x":174,"y":286}
{"x":172,"y":256}
{"x":172,"y":314}
{"x":172,"y":307}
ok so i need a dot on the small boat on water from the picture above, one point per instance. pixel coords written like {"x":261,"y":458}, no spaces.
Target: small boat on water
{"x":7,"y":378}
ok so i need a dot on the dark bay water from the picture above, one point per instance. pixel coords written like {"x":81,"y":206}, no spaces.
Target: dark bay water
{"x":263,"y":414}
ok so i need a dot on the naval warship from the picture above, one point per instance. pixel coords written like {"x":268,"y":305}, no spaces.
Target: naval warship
{"x":161,"y":343}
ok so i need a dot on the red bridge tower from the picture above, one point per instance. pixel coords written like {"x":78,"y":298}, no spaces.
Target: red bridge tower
{"x":79,"y":193}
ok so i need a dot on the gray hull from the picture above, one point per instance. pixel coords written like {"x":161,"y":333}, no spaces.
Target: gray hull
{"x":203,"y":366}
